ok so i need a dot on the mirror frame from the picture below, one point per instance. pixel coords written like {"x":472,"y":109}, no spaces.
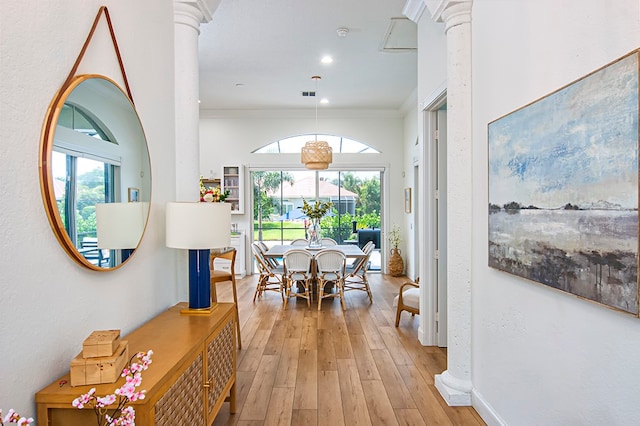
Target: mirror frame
{"x":47,"y":140}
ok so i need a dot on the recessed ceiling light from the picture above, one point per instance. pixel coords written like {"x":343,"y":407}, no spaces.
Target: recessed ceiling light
{"x":324,"y":101}
{"x":326,"y":59}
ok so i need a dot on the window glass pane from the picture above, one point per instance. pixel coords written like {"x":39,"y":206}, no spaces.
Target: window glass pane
{"x":349,"y":145}
{"x":294,"y":145}
{"x":75,"y":118}
{"x":355,"y":214}
{"x":90,"y":191}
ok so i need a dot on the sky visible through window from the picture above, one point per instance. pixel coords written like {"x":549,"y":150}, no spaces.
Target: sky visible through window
{"x":294,"y":144}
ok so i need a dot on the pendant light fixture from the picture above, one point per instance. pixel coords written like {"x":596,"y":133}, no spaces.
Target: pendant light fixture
{"x":316,"y":155}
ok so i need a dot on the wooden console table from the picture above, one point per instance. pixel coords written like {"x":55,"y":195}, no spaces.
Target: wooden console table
{"x":193,"y":372}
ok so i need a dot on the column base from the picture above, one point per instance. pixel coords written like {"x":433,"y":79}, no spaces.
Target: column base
{"x":456,"y":392}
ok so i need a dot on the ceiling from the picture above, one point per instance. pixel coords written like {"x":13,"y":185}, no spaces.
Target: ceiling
{"x":262,"y":55}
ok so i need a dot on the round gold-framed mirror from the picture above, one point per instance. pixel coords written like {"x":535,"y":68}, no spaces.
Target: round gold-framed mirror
{"x":95,"y":172}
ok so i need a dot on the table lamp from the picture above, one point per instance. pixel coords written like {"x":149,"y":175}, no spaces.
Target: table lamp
{"x":199,"y":227}
{"x":120,"y":226}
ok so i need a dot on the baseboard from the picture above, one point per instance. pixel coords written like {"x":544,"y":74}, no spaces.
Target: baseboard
{"x":421,"y":337}
{"x":453,"y":397}
{"x":488,"y":414}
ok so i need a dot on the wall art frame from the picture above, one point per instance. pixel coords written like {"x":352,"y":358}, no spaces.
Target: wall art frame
{"x":134,"y":195}
{"x":563,"y":188}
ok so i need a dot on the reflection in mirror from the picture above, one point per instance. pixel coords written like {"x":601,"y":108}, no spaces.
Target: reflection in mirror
{"x":94,"y":152}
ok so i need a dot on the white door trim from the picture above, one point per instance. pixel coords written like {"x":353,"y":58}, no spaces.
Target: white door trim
{"x":427,"y":333}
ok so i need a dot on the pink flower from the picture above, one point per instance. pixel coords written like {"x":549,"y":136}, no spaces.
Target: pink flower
{"x":13,"y":417}
{"x":82,"y":400}
{"x":105,"y":401}
{"x":122,"y":414}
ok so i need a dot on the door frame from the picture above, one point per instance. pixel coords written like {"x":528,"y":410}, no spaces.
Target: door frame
{"x":382,"y":168}
{"x":428,"y":331}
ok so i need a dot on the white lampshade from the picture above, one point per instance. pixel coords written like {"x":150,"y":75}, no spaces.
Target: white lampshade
{"x":120,"y":225}
{"x":198,"y":226}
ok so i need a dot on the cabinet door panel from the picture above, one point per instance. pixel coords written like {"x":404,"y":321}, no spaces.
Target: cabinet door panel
{"x":220,"y":365}
{"x":183,"y":404}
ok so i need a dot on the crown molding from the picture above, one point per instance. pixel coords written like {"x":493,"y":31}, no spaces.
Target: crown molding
{"x":301,"y":113}
{"x":413,"y":9}
{"x":442,"y":10}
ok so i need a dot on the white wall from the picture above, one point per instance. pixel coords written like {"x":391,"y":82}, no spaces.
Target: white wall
{"x":49,"y":304}
{"x":411,"y":158}
{"x":542,"y":357}
{"x":432,"y":75}
{"x":229,"y":137}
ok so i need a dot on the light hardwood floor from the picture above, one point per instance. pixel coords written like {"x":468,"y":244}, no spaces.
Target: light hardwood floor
{"x":301,"y":366}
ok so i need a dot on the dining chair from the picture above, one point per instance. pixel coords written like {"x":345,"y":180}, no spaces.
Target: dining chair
{"x":298,"y":274}
{"x":408,"y":299}
{"x":330,"y":264}
{"x":356,"y":273}
{"x":275,"y":262}
{"x":328,"y":242}
{"x":271,"y":278}
{"x":299,"y":242}
{"x":221,"y":275}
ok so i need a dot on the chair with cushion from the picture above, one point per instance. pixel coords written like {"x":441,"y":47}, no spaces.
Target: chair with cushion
{"x":298,"y":274}
{"x":271,"y":277}
{"x":408,"y":299}
{"x":330,"y":264}
{"x":221,"y":275}
{"x":356,"y":273}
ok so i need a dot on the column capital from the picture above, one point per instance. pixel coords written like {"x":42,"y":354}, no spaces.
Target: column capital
{"x":194,"y":12}
{"x":451,"y":12}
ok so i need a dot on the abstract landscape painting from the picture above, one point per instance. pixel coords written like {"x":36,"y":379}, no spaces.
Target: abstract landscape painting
{"x":563,"y":188}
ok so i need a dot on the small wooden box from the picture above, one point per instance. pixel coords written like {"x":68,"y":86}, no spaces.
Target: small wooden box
{"x":101,"y":343}
{"x":93,"y":371}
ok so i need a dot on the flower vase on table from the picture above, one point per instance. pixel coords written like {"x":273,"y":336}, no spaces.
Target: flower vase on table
{"x":315,"y":212}
{"x":315,"y":234}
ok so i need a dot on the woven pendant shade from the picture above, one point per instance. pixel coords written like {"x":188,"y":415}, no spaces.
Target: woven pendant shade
{"x":317,"y":155}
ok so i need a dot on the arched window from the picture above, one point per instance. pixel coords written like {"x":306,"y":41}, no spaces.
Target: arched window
{"x":295,"y":143}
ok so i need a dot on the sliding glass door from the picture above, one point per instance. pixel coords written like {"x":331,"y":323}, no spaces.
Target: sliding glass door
{"x":354,"y":217}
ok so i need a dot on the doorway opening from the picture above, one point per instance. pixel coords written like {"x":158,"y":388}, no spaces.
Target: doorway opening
{"x":355,"y":217}
{"x":433,"y":263}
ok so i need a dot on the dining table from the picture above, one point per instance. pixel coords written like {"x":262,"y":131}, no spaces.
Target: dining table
{"x":351,"y":252}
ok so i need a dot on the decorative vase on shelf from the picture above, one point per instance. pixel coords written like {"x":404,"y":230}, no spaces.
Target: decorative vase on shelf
{"x":395,"y":265}
{"x":315,"y":234}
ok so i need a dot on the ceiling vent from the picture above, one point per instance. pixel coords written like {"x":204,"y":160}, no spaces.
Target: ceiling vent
{"x":308,"y":94}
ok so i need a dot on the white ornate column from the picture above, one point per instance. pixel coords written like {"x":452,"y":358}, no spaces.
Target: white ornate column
{"x":455,"y":383}
{"x":188,"y":17}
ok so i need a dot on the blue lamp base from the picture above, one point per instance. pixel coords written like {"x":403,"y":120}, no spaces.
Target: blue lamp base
{"x":199,"y":284}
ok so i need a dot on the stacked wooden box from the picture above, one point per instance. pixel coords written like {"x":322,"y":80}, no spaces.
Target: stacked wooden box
{"x":102,"y":359}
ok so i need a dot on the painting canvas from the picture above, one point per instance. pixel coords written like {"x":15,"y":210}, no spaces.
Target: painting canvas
{"x":563,"y":188}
